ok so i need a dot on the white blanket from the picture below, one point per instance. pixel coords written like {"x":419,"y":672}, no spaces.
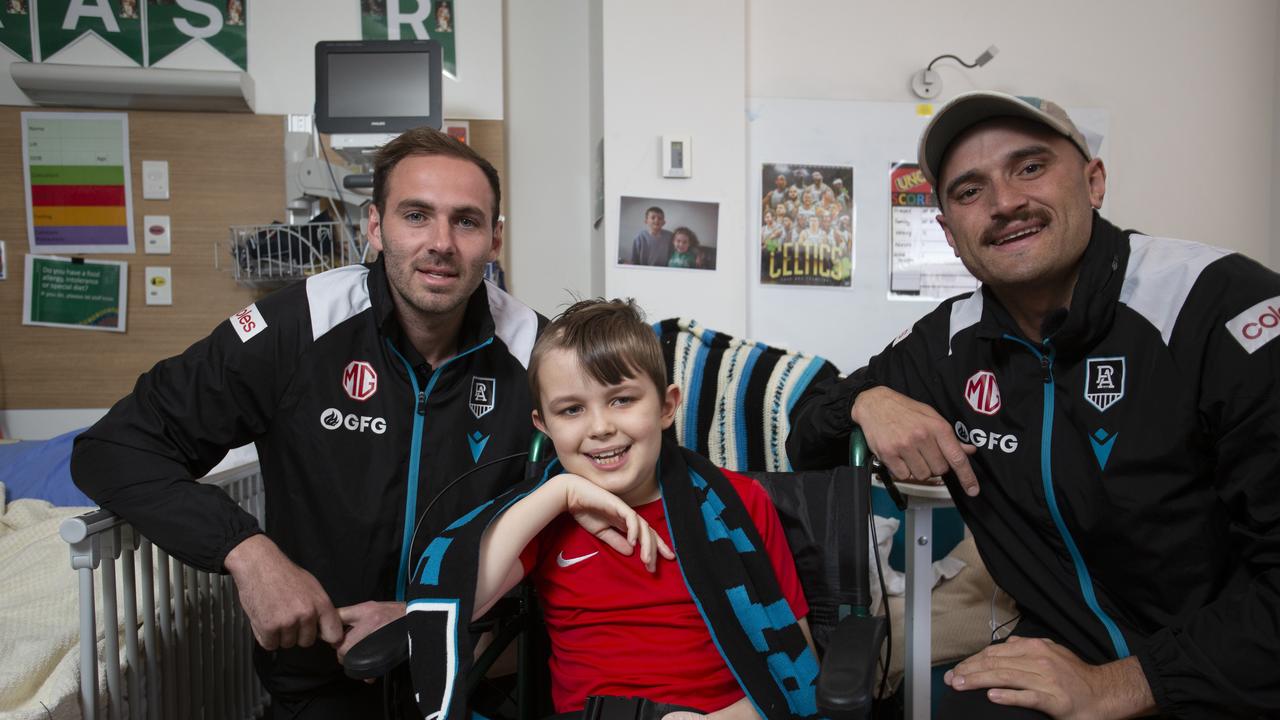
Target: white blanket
{"x":39,"y":626}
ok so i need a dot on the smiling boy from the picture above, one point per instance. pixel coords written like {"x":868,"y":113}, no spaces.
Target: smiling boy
{"x":626,"y":623}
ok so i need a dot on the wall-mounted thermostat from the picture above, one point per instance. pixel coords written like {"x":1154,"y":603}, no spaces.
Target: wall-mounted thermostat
{"x":677,"y":156}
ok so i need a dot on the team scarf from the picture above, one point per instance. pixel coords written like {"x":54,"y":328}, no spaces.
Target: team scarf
{"x":721,"y":557}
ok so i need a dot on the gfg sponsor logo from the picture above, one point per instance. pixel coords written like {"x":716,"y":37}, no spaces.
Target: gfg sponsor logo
{"x":333,"y":419}
{"x":985,"y":439}
{"x":1256,"y":326}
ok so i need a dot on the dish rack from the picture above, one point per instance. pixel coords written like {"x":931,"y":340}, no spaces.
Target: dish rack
{"x":275,"y":255}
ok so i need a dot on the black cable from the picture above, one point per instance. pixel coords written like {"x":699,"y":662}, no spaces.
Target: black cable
{"x":953,"y":57}
{"x":353,"y":231}
{"x":423,"y":515}
{"x":996,"y":629}
{"x":884,"y":599}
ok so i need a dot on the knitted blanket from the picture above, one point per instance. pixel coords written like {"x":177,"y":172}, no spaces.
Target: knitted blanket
{"x":738,"y":394}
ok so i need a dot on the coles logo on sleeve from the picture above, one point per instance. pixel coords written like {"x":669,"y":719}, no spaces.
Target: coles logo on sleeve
{"x":359,"y":380}
{"x":248,"y":322}
{"x":982,"y":393}
{"x":1256,"y":326}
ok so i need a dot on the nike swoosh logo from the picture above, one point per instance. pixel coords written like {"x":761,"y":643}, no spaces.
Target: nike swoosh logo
{"x":563,"y":561}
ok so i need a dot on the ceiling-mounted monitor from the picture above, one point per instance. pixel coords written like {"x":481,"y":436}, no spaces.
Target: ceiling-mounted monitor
{"x":377,"y":86}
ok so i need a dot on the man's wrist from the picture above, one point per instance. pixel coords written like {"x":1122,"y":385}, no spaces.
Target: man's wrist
{"x":1126,"y":690}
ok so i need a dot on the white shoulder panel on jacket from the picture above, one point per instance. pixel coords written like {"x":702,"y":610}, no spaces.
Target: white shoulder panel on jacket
{"x":1160,"y":275}
{"x":964,"y":313}
{"x":515,"y":323}
{"x":336,"y":295}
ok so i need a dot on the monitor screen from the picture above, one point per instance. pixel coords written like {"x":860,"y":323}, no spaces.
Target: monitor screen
{"x":381,"y":86}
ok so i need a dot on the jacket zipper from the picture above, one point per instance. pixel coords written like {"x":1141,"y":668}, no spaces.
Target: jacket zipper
{"x":1118,"y":642}
{"x":415,"y":456}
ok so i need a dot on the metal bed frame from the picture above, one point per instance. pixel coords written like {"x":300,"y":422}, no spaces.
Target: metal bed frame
{"x":195,"y":659}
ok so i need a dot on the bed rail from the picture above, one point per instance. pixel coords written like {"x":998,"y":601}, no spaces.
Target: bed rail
{"x":195,"y":658}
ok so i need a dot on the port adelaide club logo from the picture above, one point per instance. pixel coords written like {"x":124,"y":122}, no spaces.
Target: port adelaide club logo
{"x":1104,"y":385}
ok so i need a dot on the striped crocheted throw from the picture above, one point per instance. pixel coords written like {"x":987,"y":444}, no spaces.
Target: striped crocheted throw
{"x":737,"y":394}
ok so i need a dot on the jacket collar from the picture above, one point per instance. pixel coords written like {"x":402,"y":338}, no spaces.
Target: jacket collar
{"x":477,"y":320}
{"x":1093,"y":301}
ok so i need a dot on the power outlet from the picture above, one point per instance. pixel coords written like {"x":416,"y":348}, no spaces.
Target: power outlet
{"x":155,"y":179}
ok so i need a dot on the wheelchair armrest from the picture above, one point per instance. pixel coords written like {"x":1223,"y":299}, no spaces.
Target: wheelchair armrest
{"x":847,"y":679}
{"x":380,"y":651}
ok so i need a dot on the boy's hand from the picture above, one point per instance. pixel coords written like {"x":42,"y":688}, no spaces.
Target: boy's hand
{"x":607,"y":517}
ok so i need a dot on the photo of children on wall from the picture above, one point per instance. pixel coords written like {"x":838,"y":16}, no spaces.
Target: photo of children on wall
{"x":668,"y":233}
{"x":806,"y":224}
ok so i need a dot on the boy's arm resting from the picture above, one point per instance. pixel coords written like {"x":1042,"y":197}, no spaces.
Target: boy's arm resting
{"x":600,"y":513}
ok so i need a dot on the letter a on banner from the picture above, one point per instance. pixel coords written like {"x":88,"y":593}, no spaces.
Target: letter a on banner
{"x":15,"y":28}
{"x":412,"y":20}
{"x":172,"y":24}
{"x":63,"y":22}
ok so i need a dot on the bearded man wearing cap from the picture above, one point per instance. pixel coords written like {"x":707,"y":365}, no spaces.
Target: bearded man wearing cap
{"x":1116,"y":399}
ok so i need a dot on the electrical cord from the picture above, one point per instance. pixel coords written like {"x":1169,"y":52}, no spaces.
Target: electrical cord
{"x":953,"y":57}
{"x":884,"y":601}
{"x":337,"y":201}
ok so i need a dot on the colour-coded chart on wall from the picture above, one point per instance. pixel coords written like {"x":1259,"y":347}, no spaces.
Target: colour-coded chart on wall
{"x":77,"y":182}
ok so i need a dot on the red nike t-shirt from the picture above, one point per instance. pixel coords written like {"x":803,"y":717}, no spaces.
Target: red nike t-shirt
{"x":617,"y":629}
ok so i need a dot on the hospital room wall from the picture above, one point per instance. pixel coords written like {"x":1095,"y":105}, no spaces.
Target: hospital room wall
{"x":1190,"y":88}
{"x":281,"y":56}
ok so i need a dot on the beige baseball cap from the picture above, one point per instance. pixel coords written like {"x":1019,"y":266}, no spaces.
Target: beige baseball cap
{"x":969,"y":109}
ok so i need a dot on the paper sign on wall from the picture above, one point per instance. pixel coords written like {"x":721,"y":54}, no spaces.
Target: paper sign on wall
{"x":76,"y":294}
{"x":923,"y":264}
{"x":145,"y":31}
{"x":77,"y":182}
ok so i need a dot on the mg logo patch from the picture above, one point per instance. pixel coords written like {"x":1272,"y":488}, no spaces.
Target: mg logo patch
{"x":982,"y":392}
{"x":482,"y":391}
{"x":1104,"y":382}
{"x":359,"y":380}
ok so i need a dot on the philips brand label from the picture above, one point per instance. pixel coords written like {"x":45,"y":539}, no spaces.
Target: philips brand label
{"x":1256,"y":326}
{"x":248,"y":322}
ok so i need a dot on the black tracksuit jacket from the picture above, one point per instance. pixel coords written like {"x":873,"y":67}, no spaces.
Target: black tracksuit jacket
{"x":355,"y":433}
{"x":1129,"y":464}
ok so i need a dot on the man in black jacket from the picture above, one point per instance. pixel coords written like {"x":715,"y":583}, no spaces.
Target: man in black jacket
{"x":367,"y":390}
{"x":1116,"y":399}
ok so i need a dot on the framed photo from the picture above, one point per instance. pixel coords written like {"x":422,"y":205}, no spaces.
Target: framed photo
{"x":666,"y":233}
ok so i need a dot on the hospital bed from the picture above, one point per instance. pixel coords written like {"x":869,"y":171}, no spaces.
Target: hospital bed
{"x":95,"y":622}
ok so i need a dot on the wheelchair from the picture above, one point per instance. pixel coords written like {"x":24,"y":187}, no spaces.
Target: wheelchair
{"x":825,"y":516}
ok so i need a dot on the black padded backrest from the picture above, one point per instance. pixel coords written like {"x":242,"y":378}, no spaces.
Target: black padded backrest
{"x":824,"y":516}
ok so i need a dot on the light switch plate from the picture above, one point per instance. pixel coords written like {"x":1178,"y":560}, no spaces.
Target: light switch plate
{"x":155,"y":230}
{"x":155,"y":179}
{"x":159,"y":281}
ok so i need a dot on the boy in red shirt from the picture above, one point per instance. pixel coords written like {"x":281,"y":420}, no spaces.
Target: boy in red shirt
{"x":721,"y":630}
{"x":620,"y":623}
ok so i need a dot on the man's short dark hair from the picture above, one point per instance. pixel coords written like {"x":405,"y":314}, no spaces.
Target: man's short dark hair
{"x":655,"y":209}
{"x":609,"y":338}
{"x":428,"y":141}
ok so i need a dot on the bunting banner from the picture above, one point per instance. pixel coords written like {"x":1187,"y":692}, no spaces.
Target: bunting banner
{"x":172,"y":24}
{"x":117,"y":22}
{"x":412,"y":19}
{"x":15,"y":28}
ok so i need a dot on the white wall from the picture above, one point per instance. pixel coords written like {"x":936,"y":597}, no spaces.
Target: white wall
{"x":673,"y":67}
{"x":1275,"y":163}
{"x":282,"y":38}
{"x":551,"y":145}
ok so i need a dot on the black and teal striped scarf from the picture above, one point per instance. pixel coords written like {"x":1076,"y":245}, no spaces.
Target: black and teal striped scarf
{"x":721,"y":557}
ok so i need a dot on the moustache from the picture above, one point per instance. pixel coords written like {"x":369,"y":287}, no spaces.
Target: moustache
{"x":1001,"y":227}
